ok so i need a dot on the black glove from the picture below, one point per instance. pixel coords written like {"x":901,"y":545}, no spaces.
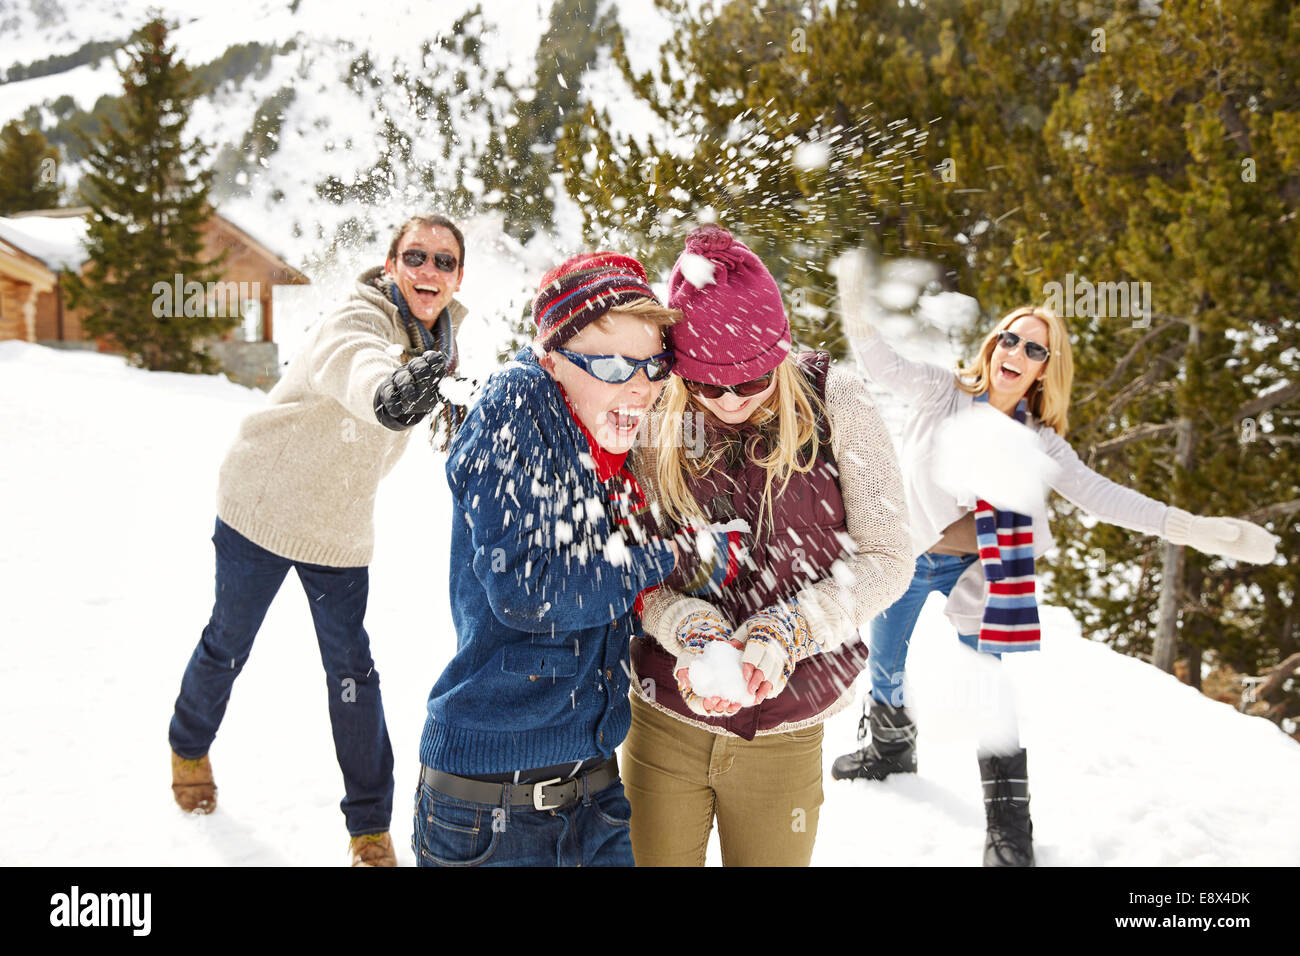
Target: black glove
{"x":411,"y":392}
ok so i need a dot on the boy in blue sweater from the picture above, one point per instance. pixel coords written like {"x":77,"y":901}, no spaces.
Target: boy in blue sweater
{"x":551,"y":548}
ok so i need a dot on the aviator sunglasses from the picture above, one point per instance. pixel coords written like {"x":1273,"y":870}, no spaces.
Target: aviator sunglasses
{"x":744,"y":389}
{"x":414,"y":258}
{"x":617,"y":369}
{"x":1033,"y":351}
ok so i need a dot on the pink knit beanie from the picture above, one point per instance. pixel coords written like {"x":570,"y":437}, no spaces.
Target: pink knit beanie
{"x":733,"y":326}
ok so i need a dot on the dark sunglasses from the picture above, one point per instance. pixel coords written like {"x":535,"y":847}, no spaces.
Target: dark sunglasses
{"x":1033,"y":351}
{"x":617,"y":369}
{"x":744,"y":389}
{"x":415,"y":258}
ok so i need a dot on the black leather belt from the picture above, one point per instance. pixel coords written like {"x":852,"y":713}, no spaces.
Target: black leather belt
{"x":543,"y":795}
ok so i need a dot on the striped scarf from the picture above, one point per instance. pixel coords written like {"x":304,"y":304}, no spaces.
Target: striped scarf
{"x":722,"y":567}
{"x":422,"y":340}
{"x":1006,"y":550}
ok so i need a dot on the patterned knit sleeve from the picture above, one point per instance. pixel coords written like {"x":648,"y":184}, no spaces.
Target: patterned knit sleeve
{"x":664,"y":608}
{"x":880,"y":568}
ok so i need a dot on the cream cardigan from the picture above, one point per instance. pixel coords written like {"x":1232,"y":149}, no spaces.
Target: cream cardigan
{"x":301,"y":478}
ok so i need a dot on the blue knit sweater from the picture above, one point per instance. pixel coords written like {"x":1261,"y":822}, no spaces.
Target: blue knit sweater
{"x":542,"y":590}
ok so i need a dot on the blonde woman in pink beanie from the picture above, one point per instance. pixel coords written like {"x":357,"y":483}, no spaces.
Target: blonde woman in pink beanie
{"x":779,"y":479}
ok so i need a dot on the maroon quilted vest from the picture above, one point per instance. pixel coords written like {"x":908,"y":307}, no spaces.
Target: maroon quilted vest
{"x":797,"y":547}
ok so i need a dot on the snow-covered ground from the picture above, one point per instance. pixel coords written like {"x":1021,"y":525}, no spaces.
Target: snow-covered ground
{"x":106,"y":505}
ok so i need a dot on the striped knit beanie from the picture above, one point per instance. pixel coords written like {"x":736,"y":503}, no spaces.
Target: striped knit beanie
{"x":582,"y":289}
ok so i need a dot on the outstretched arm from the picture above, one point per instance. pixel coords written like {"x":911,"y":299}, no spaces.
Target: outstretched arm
{"x":351,"y":359}
{"x":914,"y":381}
{"x":545,"y":561}
{"x":1115,"y":504}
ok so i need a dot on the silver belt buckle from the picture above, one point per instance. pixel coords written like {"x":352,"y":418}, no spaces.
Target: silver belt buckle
{"x":537,"y":794}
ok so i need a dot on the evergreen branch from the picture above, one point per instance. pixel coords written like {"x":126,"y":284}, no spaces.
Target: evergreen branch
{"x":1140,"y":433}
{"x":1236,"y":130}
{"x":1278,"y":510}
{"x":1147,"y":380}
{"x":1256,"y":407}
{"x":1266,"y":401}
{"x":1124,"y":362}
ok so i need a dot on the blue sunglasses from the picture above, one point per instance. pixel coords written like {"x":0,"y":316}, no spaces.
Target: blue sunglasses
{"x":617,"y":369}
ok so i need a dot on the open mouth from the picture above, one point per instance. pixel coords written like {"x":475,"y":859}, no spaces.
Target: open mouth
{"x":427,"y":294}
{"x":624,"y":421}
{"x":1009,"y":372}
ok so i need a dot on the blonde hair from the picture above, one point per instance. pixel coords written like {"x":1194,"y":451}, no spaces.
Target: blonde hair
{"x":1049,"y":397}
{"x":787,"y":424}
{"x":647,"y":310}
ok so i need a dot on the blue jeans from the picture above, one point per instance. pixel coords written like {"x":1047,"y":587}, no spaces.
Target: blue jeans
{"x":248,"y":577}
{"x":591,"y":831}
{"x":891,"y":631}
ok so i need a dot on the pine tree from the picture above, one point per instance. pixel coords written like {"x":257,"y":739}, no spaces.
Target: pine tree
{"x":520,"y":159}
{"x":913,"y":130}
{"x":28,"y":170}
{"x":148,"y":200}
{"x":1181,"y":147}
{"x":429,"y":113}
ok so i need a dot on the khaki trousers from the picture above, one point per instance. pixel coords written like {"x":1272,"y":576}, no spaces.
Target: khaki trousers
{"x":765,"y":792}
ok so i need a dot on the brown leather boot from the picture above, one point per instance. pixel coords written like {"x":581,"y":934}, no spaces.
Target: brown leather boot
{"x":372,"y":849}
{"x":192,"y":784}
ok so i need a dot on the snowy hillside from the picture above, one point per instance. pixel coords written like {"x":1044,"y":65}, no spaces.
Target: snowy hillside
{"x":106,"y":508}
{"x":334,"y":122}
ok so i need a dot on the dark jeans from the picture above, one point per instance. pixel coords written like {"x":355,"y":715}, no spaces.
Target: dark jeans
{"x":248,"y":577}
{"x":592,"y":831}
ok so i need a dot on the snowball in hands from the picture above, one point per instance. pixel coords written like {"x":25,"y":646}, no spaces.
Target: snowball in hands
{"x":716,"y":673}
{"x":982,"y":453}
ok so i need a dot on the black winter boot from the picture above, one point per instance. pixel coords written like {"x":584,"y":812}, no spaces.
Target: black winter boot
{"x":892,"y":748}
{"x":1010,"y":837}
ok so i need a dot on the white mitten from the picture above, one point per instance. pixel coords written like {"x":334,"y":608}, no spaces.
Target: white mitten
{"x":853,"y":277}
{"x":1229,"y":537}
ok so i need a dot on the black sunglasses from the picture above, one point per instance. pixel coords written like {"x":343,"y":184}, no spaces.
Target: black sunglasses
{"x":617,"y":369}
{"x":1033,"y":351}
{"x":415,"y":258}
{"x":744,"y":389}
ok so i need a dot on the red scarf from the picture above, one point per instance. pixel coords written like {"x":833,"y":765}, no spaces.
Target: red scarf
{"x":625,"y":495}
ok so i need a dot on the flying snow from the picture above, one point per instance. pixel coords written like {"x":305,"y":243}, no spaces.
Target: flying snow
{"x":810,"y":156}
{"x":697,"y":270}
{"x":981,"y":452}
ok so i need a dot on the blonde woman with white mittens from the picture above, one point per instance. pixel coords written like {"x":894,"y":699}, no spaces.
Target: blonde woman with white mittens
{"x":981,"y":556}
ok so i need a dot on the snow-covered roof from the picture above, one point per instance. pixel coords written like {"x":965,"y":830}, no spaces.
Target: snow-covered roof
{"x":58,"y":238}
{"x":258,"y":243}
{"x":58,"y":241}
